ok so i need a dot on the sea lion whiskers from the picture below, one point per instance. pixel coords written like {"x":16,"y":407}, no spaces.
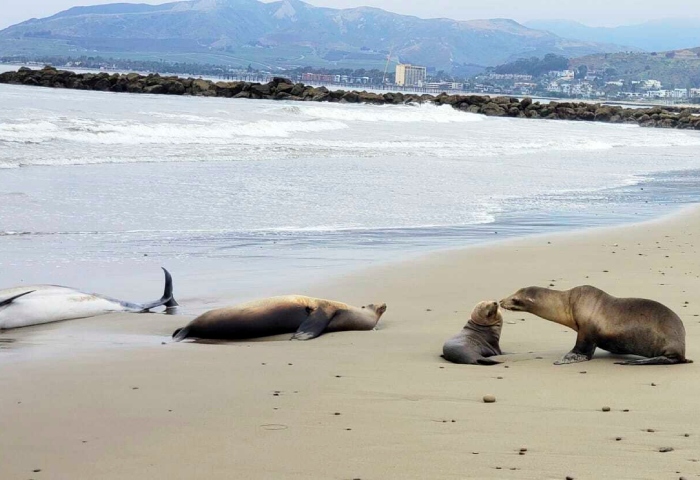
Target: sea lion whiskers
{"x":486,"y":314}
{"x":379,"y":309}
{"x":528,"y":300}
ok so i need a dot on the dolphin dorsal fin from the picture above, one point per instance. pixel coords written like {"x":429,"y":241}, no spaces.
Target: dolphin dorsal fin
{"x":9,"y":300}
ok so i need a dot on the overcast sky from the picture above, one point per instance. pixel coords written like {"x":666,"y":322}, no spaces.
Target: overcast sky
{"x":591,"y":12}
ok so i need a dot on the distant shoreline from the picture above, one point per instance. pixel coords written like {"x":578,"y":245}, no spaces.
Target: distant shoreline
{"x":283,"y":89}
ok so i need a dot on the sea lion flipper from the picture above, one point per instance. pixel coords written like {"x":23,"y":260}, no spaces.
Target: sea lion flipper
{"x":487,"y":361}
{"x":654,"y":361}
{"x":181,"y":333}
{"x":582,"y":351}
{"x":313,"y":326}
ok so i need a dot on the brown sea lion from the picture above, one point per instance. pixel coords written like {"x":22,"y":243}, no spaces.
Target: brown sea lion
{"x":633,"y":326}
{"x":308,"y":317}
{"x":478,"y":339}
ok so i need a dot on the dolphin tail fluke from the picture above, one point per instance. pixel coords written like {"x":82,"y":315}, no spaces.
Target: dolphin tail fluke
{"x":181,"y":334}
{"x":168,"y":299}
{"x":9,"y":300}
{"x":168,"y":292}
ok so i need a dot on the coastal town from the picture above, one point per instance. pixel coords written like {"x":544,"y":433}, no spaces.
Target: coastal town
{"x":566,"y":81}
{"x":586,"y":85}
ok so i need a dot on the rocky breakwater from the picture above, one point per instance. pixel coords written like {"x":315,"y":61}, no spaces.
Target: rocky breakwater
{"x":284,"y":89}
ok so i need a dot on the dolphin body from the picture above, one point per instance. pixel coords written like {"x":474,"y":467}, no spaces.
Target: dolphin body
{"x":38,"y":304}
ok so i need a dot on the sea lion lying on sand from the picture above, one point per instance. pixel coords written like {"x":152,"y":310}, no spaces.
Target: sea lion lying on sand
{"x":308,"y":317}
{"x":479,"y":338}
{"x":619,"y":325}
{"x":38,"y":304}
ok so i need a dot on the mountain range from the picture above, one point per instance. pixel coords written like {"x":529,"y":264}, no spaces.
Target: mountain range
{"x":287,"y":33}
{"x":653,"y":36}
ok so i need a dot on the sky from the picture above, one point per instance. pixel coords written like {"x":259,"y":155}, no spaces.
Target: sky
{"x":590,"y":12}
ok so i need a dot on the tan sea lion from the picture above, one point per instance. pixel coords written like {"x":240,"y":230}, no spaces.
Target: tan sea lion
{"x":478,"y":339}
{"x":308,"y":317}
{"x":619,"y":325}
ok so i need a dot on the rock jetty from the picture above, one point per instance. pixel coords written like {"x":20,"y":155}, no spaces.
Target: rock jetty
{"x":283,"y":89}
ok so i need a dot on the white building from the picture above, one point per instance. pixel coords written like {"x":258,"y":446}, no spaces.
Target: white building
{"x":679,"y":93}
{"x":676,"y":93}
{"x":652,"y":84}
{"x":563,"y":74}
{"x":410,"y":75}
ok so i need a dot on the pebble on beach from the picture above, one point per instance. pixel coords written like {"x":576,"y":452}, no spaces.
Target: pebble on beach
{"x":606,"y":409}
{"x":489,"y":399}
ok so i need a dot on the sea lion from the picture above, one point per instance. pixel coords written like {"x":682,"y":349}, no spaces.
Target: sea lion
{"x":38,"y":304}
{"x":634,"y":326}
{"x":478,"y":339}
{"x":308,"y":317}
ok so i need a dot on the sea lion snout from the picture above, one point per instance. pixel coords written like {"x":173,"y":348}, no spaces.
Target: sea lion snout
{"x":507,"y":303}
{"x":486,"y":313}
{"x":379,"y":309}
{"x":518,"y":301}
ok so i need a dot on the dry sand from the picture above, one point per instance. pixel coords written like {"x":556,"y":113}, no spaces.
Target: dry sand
{"x":105,"y":398}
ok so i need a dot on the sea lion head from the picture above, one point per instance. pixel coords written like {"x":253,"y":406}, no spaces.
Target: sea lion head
{"x":377,"y":308}
{"x":487,"y":314}
{"x":521,"y":301}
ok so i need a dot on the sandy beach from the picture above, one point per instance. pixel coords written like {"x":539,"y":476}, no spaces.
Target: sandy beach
{"x":112,"y":398}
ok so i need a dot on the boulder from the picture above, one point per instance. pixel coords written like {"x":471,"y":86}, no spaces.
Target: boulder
{"x":298,"y":90}
{"x":264,"y":90}
{"x":603,"y":114}
{"x":155,"y":89}
{"x":474,"y":109}
{"x":202,"y":87}
{"x":351,"y":97}
{"x":493,"y":109}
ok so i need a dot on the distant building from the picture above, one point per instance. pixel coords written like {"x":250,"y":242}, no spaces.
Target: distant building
{"x":438,"y":85}
{"x":563,"y":74}
{"x":317,"y":77}
{"x":508,"y":76}
{"x":410,"y":75}
{"x":676,"y":93}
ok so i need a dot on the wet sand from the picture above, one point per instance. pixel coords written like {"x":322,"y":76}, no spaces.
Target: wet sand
{"x":112,"y":398}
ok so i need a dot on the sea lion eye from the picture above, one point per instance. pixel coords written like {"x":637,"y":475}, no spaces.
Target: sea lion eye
{"x":363,"y":306}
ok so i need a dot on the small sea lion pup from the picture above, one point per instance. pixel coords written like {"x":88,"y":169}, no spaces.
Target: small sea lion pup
{"x":479,"y":337}
{"x":308,"y":317}
{"x":633,"y":326}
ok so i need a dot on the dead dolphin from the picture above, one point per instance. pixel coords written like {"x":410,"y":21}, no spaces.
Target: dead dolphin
{"x":38,"y":304}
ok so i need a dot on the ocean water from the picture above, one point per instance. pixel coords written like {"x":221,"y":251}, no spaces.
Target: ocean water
{"x":243,"y":198}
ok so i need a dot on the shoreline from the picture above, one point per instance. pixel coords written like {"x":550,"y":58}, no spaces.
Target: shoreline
{"x":283,"y":89}
{"x":377,"y":404}
{"x":288,"y":264}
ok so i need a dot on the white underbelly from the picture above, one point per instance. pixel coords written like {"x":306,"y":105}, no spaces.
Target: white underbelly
{"x":52,"y":305}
